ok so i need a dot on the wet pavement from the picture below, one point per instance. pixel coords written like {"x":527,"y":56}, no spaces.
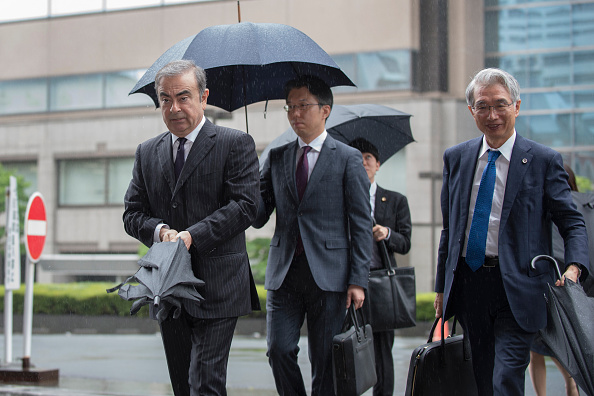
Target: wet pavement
{"x":130,"y":365}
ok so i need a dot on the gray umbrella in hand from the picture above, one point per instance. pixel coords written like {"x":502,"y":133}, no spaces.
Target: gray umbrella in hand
{"x":165,"y":279}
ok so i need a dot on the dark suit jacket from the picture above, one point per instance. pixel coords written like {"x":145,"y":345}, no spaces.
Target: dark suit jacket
{"x":334,"y":216}
{"x":391,"y":210}
{"x":215,"y":199}
{"x":536,"y":192}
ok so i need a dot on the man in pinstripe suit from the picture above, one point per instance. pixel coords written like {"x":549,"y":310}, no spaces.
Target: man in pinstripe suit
{"x":197,"y":182}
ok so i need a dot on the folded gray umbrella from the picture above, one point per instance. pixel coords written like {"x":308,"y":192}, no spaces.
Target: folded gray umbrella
{"x":165,"y":278}
{"x":570,"y":328}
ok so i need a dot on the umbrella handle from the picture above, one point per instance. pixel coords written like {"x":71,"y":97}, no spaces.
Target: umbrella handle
{"x":156,"y":300}
{"x":549,"y":259}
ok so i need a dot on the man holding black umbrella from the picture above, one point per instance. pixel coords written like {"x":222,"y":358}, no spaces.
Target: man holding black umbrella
{"x":392,"y":225}
{"x":197,"y":182}
{"x":319,"y":257}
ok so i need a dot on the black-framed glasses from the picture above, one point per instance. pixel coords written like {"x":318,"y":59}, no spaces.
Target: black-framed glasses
{"x":499,"y":108}
{"x":301,"y":107}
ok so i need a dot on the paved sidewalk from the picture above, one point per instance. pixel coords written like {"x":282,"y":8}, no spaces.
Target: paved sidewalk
{"x":134,"y":365}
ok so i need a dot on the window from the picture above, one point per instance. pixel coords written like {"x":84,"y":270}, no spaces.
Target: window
{"x":26,"y":169}
{"x":23,"y":96}
{"x":94,"y":182}
{"x":76,"y":92}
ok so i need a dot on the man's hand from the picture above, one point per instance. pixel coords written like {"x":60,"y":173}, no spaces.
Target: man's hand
{"x":356,"y":295}
{"x":572,"y":272}
{"x":168,"y":235}
{"x":380,"y":232}
{"x":438,"y":305}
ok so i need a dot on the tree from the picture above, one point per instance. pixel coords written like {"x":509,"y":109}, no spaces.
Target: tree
{"x":22,"y":200}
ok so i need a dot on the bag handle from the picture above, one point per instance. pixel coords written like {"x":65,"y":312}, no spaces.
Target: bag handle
{"x":465,"y":340}
{"x":385,"y":255}
{"x":351,"y":319}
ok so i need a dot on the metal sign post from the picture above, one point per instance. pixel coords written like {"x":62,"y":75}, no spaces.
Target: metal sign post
{"x":12,"y":267}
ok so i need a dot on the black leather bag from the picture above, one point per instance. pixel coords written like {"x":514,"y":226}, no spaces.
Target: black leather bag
{"x":441,"y":368}
{"x":353,"y":358}
{"x":392,"y":295}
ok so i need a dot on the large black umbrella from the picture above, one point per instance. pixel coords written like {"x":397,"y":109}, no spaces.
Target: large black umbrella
{"x":386,"y":128}
{"x":165,"y":278}
{"x":248,"y":62}
{"x":570,"y":329}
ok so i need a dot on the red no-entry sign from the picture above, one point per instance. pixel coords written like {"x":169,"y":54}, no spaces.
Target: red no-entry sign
{"x":35,"y":227}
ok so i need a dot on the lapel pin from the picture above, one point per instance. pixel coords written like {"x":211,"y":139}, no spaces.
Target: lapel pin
{"x":524,"y":161}
{"x":383,"y":199}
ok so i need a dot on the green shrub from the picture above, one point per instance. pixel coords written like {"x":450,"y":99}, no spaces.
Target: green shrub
{"x":90,"y":298}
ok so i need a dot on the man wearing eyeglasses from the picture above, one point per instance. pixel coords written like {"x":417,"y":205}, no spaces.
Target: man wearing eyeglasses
{"x":499,"y":195}
{"x":320,"y":253}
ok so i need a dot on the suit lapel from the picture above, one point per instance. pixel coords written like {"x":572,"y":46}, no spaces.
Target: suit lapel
{"x":518,"y":166}
{"x":467,"y":163}
{"x":380,"y":204}
{"x":290,"y":165}
{"x":200,"y":148}
{"x":324,"y":160}
{"x":165,"y":156}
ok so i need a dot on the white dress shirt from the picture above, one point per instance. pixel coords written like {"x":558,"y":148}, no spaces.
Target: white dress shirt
{"x":314,"y":153}
{"x":502,"y":168}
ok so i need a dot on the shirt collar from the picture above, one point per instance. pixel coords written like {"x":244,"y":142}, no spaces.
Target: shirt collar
{"x":315,"y":144}
{"x":505,"y":149}
{"x":192,"y":135}
{"x":372,"y":189}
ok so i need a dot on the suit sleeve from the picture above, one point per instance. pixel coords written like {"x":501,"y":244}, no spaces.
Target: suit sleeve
{"x":266,"y":199}
{"x":399,"y":241}
{"x":442,"y":252}
{"x":358,"y":209}
{"x":239,"y":203}
{"x":138,"y":220}
{"x":564,"y":214}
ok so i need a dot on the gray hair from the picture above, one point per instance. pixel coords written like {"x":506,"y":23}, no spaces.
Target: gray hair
{"x":175,"y":68}
{"x":492,"y":76}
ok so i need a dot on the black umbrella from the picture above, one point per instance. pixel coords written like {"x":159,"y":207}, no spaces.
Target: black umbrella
{"x":165,"y":278}
{"x":386,"y":128}
{"x":570,"y":329}
{"x":248,"y":62}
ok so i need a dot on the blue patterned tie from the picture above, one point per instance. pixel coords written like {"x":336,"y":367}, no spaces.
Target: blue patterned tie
{"x":180,"y":157}
{"x":477,"y":237}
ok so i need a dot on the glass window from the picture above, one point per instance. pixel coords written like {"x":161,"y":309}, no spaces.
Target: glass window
{"x":584,"y":164}
{"x":553,"y":130}
{"x":383,"y":70}
{"x":584,"y":129}
{"x":117,"y":87}
{"x":550,"y":69}
{"x":584,"y":99}
{"x":126,"y":4}
{"x":583,"y":70}
{"x":82,"y":182}
{"x":547,"y":100}
{"x":69,"y":7}
{"x":348,"y":64}
{"x":94,"y":182}
{"x":583,"y":24}
{"x":119,"y":176}
{"x":15,"y":10}
{"x":76,"y":92}
{"x":549,"y":27}
{"x":23,"y":96}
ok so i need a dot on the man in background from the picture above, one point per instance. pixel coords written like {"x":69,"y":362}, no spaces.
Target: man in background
{"x":393,"y":226}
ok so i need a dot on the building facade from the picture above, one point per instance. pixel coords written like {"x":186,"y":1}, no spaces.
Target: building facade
{"x":68,"y":124}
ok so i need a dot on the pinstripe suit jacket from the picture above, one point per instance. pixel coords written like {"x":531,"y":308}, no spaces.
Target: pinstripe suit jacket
{"x":215,"y":199}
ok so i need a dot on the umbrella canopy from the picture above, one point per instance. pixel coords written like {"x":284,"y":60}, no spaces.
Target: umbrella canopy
{"x":570,"y":329}
{"x":386,"y":128}
{"x":248,"y":62}
{"x":165,"y":278}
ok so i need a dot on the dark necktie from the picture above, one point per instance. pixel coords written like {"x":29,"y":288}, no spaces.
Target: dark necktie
{"x":180,"y":157}
{"x":477,"y":237}
{"x":301,"y":180}
{"x":302,"y":172}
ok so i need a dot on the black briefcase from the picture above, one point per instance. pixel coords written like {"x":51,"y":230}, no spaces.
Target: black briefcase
{"x":441,"y":368}
{"x":353,"y":358}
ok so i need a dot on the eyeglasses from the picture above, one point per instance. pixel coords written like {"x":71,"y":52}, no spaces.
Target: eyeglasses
{"x":301,"y":107}
{"x":499,"y":108}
